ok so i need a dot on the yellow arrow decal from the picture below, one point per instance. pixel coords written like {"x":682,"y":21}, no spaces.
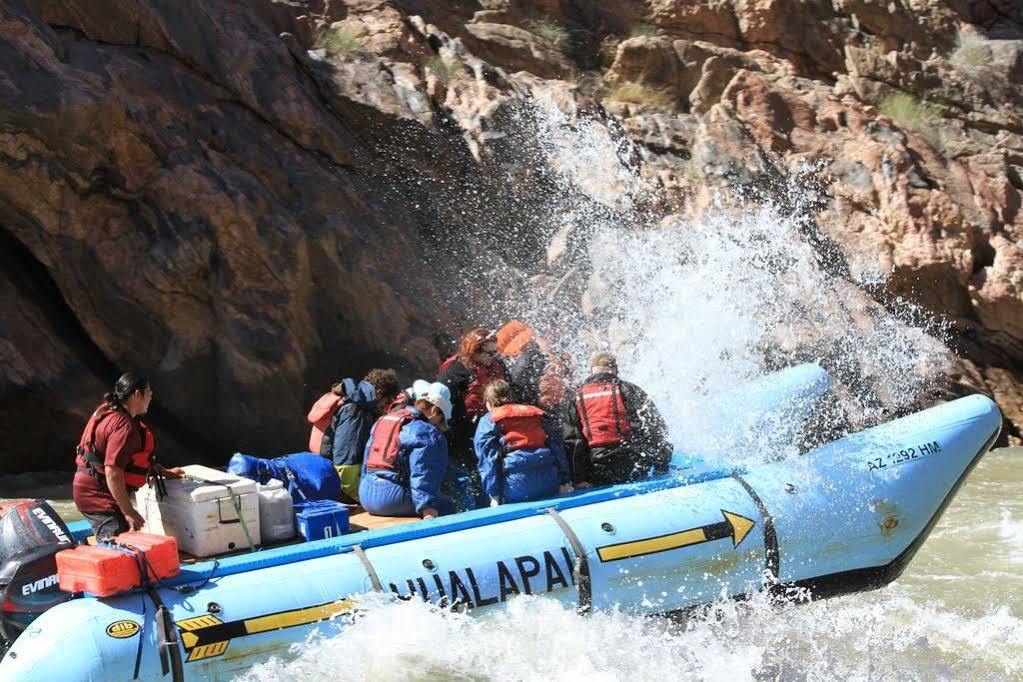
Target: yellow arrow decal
{"x":734,"y":526}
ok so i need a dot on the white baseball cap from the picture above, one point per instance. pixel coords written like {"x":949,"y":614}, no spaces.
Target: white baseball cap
{"x":440,"y":395}
{"x":420,"y":387}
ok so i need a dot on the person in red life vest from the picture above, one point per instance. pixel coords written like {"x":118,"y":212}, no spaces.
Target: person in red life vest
{"x":467,"y":374}
{"x":321,"y":414}
{"x":406,"y":458}
{"x":539,"y":375}
{"x":613,"y":431}
{"x":520,"y":456}
{"x":115,"y":456}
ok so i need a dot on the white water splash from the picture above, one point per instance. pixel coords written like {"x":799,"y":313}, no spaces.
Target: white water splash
{"x":695,"y":307}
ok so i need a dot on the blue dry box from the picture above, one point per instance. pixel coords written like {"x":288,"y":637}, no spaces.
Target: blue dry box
{"x":318,"y":519}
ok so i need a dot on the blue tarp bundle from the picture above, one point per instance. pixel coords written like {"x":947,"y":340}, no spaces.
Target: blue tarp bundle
{"x":308,"y":476}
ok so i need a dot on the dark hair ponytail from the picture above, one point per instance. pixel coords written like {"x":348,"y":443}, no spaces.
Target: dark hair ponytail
{"x":125,"y":386}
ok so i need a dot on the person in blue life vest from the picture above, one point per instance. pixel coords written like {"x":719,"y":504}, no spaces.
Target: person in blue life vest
{"x":613,"y":431}
{"x":520,"y":456}
{"x":405,"y":459}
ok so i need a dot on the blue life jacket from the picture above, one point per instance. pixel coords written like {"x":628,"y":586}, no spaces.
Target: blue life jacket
{"x":352,"y":424}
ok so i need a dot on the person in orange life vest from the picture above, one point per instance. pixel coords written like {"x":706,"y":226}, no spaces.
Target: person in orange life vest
{"x":115,"y":456}
{"x":406,"y":458}
{"x":538,"y":374}
{"x":520,"y":456}
{"x":613,"y":431}
{"x":467,"y":374}
{"x":322,"y":412}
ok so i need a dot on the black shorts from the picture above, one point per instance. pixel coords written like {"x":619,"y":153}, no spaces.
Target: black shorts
{"x":107,"y":525}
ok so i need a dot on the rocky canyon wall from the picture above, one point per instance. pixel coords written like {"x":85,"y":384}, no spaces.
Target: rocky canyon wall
{"x":246,"y":199}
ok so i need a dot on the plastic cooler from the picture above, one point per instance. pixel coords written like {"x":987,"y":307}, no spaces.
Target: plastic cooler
{"x":104,"y":570}
{"x":201,"y":511}
{"x":321,"y":519}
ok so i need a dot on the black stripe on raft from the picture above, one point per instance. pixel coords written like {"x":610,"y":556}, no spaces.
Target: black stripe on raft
{"x":370,"y":571}
{"x":772,"y":558}
{"x":582,"y":567}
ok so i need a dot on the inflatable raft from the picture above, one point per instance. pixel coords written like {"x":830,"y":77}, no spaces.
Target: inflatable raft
{"x":844,"y":517}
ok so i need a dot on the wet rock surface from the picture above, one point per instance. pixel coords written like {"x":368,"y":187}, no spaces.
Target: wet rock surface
{"x":248,"y":199}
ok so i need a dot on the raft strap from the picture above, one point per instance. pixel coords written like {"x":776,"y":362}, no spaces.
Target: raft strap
{"x":581,"y":569}
{"x":370,"y":571}
{"x":771,"y":555}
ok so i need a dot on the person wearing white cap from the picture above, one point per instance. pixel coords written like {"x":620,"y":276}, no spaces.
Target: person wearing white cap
{"x":406,"y":458}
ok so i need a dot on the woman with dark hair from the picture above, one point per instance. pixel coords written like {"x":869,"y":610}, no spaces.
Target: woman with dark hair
{"x":115,"y":456}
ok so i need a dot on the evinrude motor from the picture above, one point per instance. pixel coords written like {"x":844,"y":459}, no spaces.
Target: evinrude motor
{"x":31,"y":534}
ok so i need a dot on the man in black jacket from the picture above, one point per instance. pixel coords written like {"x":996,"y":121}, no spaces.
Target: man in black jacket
{"x":613,"y":431}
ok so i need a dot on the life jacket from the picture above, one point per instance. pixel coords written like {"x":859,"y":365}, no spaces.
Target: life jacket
{"x":553,"y":384}
{"x":401,"y":401}
{"x":602,"y":414}
{"x":521,"y":426}
{"x":385,"y":445}
{"x":482,"y":375}
{"x":92,"y":462}
{"x":320,"y":416}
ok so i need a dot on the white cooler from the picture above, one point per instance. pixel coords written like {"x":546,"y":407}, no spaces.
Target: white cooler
{"x":202,"y":515}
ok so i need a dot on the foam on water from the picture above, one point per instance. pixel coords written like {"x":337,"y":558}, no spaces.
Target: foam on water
{"x":695,"y":306}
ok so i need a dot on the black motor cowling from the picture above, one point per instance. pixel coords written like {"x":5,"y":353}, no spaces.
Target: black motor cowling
{"x":31,"y":534}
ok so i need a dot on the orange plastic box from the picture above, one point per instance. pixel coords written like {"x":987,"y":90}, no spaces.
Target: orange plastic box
{"x":161,"y":552}
{"x":105,"y":571}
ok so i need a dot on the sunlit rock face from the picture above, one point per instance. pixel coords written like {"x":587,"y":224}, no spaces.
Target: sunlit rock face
{"x":251,"y":205}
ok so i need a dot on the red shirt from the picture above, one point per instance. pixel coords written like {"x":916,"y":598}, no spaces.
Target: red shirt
{"x":117,"y":438}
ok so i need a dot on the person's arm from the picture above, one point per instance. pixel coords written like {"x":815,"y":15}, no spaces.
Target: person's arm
{"x":171,"y":472}
{"x":557,"y":448}
{"x":428,"y":460}
{"x":122,"y":441}
{"x":119,"y":490}
{"x":577,"y":450}
{"x":652,"y":429}
{"x":487,"y":444}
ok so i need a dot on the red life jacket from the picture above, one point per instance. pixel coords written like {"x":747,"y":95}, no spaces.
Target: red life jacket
{"x":602,"y":414}
{"x":520,"y":426}
{"x":402,"y":400}
{"x":385,"y":445}
{"x":482,"y":376}
{"x":88,"y":460}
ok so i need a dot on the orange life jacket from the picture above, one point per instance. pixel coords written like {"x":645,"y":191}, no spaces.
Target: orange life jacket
{"x":553,"y":383}
{"x":385,"y":444}
{"x":88,"y":460}
{"x":320,"y":416}
{"x":473,"y":400}
{"x":602,"y":414}
{"x":521,"y":426}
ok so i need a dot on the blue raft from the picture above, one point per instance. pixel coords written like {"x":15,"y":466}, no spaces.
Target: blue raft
{"x":847,"y":516}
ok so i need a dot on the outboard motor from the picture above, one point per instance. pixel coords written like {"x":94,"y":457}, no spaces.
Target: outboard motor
{"x":31,"y":534}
